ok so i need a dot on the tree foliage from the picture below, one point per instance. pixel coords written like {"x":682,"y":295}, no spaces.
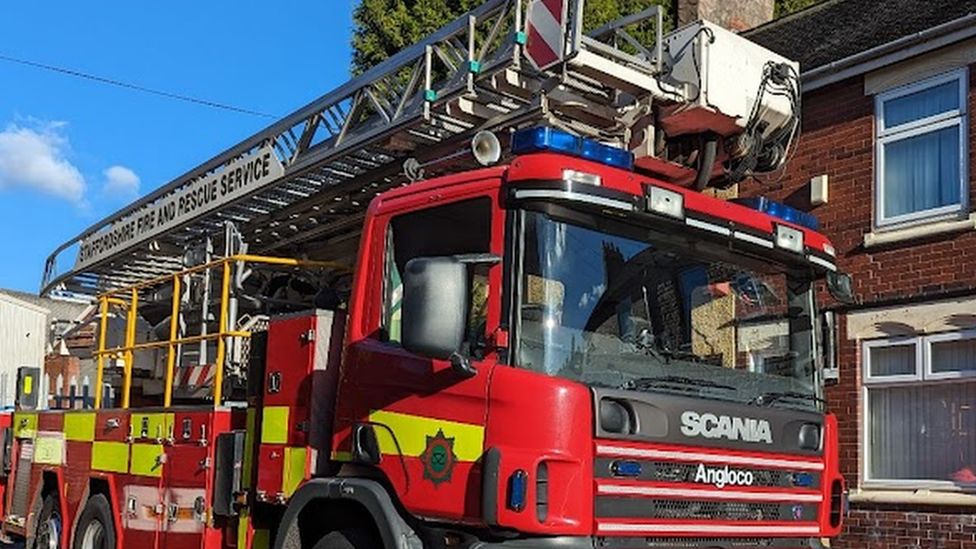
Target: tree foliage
{"x":384,"y":27}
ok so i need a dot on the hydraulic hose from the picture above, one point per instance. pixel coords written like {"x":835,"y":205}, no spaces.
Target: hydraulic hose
{"x":707,"y":163}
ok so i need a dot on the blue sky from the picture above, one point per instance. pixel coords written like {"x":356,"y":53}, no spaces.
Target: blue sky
{"x":73,"y":151}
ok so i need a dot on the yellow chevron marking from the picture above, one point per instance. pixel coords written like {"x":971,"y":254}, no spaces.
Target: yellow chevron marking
{"x":79,"y":426}
{"x":243,"y":522}
{"x":152,"y":426}
{"x":274,"y":425}
{"x":261,"y":539}
{"x":412,"y":431}
{"x":146,"y":460}
{"x":251,"y":429}
{"x":25,"y":425}
{"x":110,"y":456}
{"x":294,"y":472}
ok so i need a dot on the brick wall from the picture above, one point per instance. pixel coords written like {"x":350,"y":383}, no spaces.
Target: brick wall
{"x":908,"y":528}
{"x":838,"y":140}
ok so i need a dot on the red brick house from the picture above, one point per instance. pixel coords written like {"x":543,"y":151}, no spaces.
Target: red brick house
{"x":888,"y":92}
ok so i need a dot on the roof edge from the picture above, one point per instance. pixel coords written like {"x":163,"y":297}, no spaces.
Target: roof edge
{"x":900,"y":49}
{"x":23,"y":303}
{"x":777,"y":21}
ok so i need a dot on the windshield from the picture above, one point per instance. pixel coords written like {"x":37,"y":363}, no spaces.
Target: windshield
{"x":650,"y":312}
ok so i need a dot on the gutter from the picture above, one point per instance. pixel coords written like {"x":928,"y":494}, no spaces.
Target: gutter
{"x":903,"y":48}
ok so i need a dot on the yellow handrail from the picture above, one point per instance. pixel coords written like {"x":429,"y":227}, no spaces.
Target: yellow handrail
{"x":102,"y":328}
{"x":178,"y":341}
{"x":247,"y":258}
{"x":128,"y":298}
{"x":130,"y":341}
{"x":174,"y":325}
{"x":218,"y":390}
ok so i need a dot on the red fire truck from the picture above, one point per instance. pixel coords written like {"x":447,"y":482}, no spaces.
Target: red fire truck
{"x":345,"y":333}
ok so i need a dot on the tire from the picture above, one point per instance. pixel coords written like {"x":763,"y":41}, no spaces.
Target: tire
{"x":349,"y":538}
{"x":96,"y":530}
{"x":49,"y":524}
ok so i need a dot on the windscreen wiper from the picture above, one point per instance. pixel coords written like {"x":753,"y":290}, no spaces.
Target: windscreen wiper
{"x":651,"y":382}
{"x":770,"y":397}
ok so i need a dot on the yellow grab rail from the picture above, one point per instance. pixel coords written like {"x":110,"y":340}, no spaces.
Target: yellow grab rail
{"x":131,"y":303}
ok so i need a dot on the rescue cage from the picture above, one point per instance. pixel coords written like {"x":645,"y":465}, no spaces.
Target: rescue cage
{"x":215,"y":306}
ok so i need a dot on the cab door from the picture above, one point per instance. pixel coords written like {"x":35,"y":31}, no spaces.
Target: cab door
{"x":420,"y":421}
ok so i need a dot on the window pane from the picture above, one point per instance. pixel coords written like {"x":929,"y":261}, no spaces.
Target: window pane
{"x":896,"y":360}
{"x":923,"y":432}
{"x":954,"y":356}
{"x":921,"y":172}
{"x":922,"y":104}
{"x":434,"y":232}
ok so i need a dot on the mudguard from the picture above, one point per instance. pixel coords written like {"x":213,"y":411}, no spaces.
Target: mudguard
{"x":394,"y":531}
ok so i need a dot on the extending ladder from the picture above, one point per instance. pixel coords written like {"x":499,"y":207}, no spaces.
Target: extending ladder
{"x":332,"y":156}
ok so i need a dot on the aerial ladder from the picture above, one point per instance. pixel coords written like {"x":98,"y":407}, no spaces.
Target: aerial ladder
{"x":700,"y":106}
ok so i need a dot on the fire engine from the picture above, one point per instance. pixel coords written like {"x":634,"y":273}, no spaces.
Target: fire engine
{"x":498,"y":291}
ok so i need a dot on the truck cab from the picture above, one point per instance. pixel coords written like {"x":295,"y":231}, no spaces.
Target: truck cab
{"x":598,"y":355}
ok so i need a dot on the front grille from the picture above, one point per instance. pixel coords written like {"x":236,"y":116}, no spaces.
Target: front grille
{"x":685,"y":472}
{"x":697,"y":494}
{"x":657,"y":508}
{"x":701,"y":543}
{"x":672,"y":471}
{"x":730,"y":510}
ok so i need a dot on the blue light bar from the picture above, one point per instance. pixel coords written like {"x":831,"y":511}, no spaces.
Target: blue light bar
{"x":780,"y":210}
{"x":545,"y":139}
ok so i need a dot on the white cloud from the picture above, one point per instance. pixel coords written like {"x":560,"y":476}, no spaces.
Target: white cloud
{"x":35,"y":158}
{"x":592,"y":296}
{"x":121,"y":180}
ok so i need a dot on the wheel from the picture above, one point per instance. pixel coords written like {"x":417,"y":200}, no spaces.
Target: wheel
{"x":95,"y":527}
{"x":349,"y":538}
{"x":48,"y":533}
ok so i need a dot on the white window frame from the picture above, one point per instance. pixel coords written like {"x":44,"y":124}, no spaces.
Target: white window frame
{"x":893,"y":342}
{"x":923,"y":374}
{"x":885,"y":135}
{"x":948,"y":336}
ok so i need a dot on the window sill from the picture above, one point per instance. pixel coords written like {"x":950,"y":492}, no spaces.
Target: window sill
{"x":880,"y":238}
{"x":916,"y":497}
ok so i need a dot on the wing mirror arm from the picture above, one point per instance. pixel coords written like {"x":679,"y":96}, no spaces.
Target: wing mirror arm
{"x":462,"y":365}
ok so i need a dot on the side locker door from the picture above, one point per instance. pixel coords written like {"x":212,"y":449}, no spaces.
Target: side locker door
{"x":187,"y":469}
{"x":143,"y":512}
{"x":24,"y":432}
{"x":283,"y":456}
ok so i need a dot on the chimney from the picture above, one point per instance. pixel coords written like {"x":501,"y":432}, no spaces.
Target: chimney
{"x":735,"y":15}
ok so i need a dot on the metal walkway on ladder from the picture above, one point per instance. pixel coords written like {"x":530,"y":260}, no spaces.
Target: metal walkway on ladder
{"x":335,"y":154}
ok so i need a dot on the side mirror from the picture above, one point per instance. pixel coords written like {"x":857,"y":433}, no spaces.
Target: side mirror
{"x":434,"y":311}
{"x":841,"y":287}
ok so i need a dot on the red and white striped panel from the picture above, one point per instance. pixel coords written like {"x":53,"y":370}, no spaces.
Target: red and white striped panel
{"x":546,"y":32}
{"x":194,"y":378}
